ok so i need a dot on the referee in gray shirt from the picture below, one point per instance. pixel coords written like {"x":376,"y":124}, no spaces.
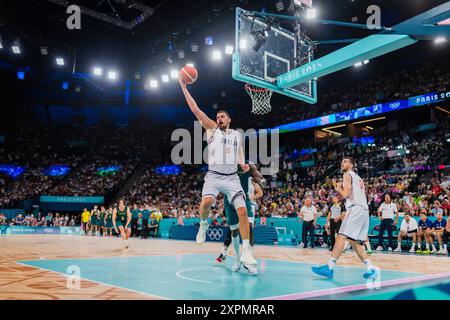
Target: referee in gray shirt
{"x":334,"y":220}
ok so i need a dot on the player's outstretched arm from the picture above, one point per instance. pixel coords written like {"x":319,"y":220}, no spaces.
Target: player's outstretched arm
{"x":206,"y":122}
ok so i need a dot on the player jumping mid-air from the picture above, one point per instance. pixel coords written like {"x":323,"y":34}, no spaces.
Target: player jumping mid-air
{"x":355,"y":225}
{"x":225,"y":153}
{"x":251,"y":182}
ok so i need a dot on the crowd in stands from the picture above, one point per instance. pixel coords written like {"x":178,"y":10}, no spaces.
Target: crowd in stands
{"x":39,"y":220}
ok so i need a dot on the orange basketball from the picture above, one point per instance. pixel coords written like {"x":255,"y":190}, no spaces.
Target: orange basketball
{"x":189,"y":74}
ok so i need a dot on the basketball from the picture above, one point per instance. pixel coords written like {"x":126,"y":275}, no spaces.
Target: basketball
{"x":189,"y":74}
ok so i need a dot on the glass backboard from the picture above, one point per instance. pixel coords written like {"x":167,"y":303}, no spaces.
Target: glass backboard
{"x":265,"y":51}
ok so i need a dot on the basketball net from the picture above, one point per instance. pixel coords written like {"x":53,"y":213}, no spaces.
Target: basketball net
{"x":260,"y":98}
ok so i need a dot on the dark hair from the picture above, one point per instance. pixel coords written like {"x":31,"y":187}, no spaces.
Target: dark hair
{"x":223,"y":111}
{"x":351,"y":160}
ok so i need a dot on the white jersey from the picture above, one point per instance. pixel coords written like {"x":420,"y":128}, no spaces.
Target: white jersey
{"x":358,"y":195}
{"x":223,"y":150}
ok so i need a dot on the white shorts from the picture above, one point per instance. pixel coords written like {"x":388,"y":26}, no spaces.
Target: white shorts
{"x":355,"y":225}
{"x":228,"y":185}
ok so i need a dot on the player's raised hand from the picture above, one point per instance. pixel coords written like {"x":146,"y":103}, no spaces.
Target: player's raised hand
{"x":245,"y":167}
{"x":180,"y":80}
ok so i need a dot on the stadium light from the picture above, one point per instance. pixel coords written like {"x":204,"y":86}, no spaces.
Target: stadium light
{"x":112,"y":75}
{"x":311,"y":14}
{"x":229,"y":49}
{"x":440,"y":40}
{"x":174,"y":74}
{"x":1,"y":43}
{"x":16,"y":48}
{"x":165,"y":78}
{"x":44,"y":51}
{"x":60,"y":61}
{"x":98,"y":71}
{"x":153,"y":83}
{"x":217,"y":55}
{"x":190,"y":64}
{"x":243,"y":44}
{"x":366,"y":61}
{"x":358,"y":64}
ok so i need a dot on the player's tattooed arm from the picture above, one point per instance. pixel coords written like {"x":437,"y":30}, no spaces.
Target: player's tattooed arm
{"x":206,"y":122}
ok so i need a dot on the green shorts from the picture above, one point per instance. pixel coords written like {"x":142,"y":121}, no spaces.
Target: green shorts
{"x":232,"y":216}
{"x":109,"y":224}
{"x":122,"y":223}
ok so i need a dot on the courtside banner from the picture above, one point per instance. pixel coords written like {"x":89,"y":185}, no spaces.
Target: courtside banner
{"x":64,"y":199}
{"x":32,"y":230}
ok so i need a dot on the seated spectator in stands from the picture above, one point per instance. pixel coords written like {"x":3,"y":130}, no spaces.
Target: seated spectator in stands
{"x":153,"y":225}
{"x":437,"y":231}
{"x":387,"y":212}
{"x":437,"y":209}
{"x":3,"y":221}
{"x":49,"y":219}
{"x":408,"y":229}
{"x":425,"y":226}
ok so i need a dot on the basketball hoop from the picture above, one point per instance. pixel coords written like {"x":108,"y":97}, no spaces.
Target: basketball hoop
{"x":260,"y":98}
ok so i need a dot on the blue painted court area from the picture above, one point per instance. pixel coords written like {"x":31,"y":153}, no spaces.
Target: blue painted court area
{"x":197,"y":277}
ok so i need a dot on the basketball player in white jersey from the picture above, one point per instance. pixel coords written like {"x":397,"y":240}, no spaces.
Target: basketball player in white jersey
{"x":225,"y":153}
{"x":355,"y":225}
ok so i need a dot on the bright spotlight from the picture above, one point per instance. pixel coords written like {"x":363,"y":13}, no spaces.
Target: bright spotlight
{"x":439,"y":40}
{"x":112,"y":75}
{"x":1,"y":43}
{"x":15,"y":49}
{"x":44,"y":51}
{"x":165,"y":78}
{"x":174,"y":74}
{"x":229,"y":49}
{"x":358,"y":64}
{"x":366,"y":61}
{"x":60,"y":61}
{"x":243,"y":44}
{"x":98,"y":71}
{"x":217,"y":55}
{"x":311,"y":14}
{"x":190,"y":64}
{"x":153,"y":83}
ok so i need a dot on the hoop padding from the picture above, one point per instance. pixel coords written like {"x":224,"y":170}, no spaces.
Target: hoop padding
{"x":260,"y":98}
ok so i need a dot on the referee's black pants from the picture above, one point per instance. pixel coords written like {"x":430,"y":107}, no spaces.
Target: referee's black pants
{"x":134,"y":230}
{"x":334,"y":229}
{"x":308,"y":227}
{"x":386,"y":224}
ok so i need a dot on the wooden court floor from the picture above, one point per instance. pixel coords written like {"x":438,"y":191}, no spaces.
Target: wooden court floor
{"x":18,"y":281}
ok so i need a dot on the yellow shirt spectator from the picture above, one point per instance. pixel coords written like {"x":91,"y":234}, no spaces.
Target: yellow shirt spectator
{"x":85,"y":216}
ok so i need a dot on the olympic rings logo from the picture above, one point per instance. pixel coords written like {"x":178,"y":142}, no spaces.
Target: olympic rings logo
{"x":394,"y":105}
{"x":215,"y":234}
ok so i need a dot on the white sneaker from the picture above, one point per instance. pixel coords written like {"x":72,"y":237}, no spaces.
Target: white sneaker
{"x":390,"y":249}
{"x":236,"y":266}
{"x":251,"y":269}
{"x":301,"y":245}
{"x":434,"y":250}
{"x":379,"y":248}
{"x":324,"y":245}
{"x":201,"y":235}
{"x":398,"y":249}
{"x":247,"y":258}
{"x":441,"y":251}
{"x":444,"y":252}
{"x":125,"y":244}
{"x":412,"y":250}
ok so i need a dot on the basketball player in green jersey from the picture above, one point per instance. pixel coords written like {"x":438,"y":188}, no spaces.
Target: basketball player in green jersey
{"x":122,"y":221}
{"x":101,"y":220}
{"x":94,"y":221}
{"x":109,"y":221}
{"x":251,"y":182}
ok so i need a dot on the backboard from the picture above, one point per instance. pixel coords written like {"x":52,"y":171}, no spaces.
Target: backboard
{"x":265,"y":51}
